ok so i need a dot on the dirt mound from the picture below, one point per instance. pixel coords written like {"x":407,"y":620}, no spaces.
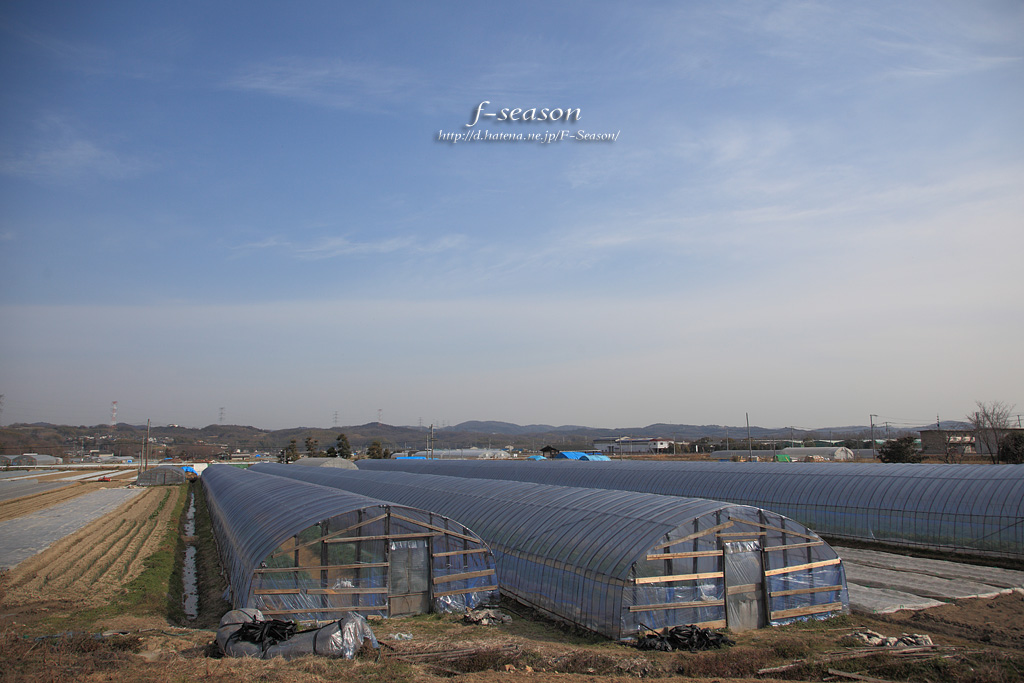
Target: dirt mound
{"x":993,"y":621}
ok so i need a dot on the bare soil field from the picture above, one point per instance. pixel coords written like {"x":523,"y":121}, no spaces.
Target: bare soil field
{"x":90,"y":583}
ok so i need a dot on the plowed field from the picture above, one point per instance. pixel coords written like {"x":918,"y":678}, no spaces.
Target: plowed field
{"x":19,"y":507}
{"x":91,"y":565}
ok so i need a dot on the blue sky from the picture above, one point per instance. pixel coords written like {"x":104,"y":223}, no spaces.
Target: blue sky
{"x":812,"y":212}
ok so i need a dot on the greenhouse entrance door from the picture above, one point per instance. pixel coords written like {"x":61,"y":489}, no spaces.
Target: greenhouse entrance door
{"x":409,"y":577}
{"x":744,"y":586}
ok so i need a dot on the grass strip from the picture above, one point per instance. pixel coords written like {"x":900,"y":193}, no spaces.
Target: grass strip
{"x":151,"y":591}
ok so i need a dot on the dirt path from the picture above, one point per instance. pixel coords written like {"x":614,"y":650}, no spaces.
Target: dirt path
{"x":91,"y":565}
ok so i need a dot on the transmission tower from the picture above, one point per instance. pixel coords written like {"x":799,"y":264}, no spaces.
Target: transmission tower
{"x":113,"y":415}
{"x":380,"y":417}
{"x":221,"y":418}
{"x":335,"y":418}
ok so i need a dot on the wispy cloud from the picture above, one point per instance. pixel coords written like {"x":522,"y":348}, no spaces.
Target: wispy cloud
{"x":90,"y":59}
{"x":329,"y":82}
{"x":338,"y":246}
{"x":59,"y":152}
{"x":69,"y":159}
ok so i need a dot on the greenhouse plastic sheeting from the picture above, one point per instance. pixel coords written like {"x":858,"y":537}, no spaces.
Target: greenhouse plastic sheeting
{"x":611,"y":561}
{"x":296,"y":550}
{"x":162,"y":476}
{"x":977,"y":509}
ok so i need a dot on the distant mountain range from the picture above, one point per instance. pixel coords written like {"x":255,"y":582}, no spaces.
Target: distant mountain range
{"x":479,"y":433}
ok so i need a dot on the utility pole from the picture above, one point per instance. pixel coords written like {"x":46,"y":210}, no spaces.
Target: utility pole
{"x":145,"y":449}
{"x":872,"y":418}
{"x":750,"y":447}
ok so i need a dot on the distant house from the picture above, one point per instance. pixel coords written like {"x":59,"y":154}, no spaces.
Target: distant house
{"x":633,"y":445}
{"x":943,"y":441}
{"x":963,"y":441}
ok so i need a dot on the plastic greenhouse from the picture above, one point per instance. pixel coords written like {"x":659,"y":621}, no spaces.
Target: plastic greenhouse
{"x":296,"y":550}
{"x":977,"y":509}
{"x":609,"y":561}
{"x":162,"y":476}
{"x":35,"y":459}
{"x":326,"y":462}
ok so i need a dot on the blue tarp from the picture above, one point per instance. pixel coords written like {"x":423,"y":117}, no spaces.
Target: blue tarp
{"x":569,"y":455}
{"x":594,"y":456}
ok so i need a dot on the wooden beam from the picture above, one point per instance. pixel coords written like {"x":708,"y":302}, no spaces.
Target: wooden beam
{"x":712,"y":624}
{"x":318,"y":591}
{"x":677,"y":605}
{"x":447,"y":532}
{"x":858,"y":677}
{"x":804,"y":611}
{"x":461,"y":552}
{"x":676,"y":556}
{"x":696,"y":534}
{"x":801,"y":567}
{"x":804,"y":591}
{"x":678,"y":577}
{"x":328,"y":536}
{"x":465,"y":575}
{"x":322,"y":610}
{"x":776,"y":528}
{"x":318,"y":568}
{"x":386,"y":537}
{"x":793,"y":546}
{"x":463,"y":591}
